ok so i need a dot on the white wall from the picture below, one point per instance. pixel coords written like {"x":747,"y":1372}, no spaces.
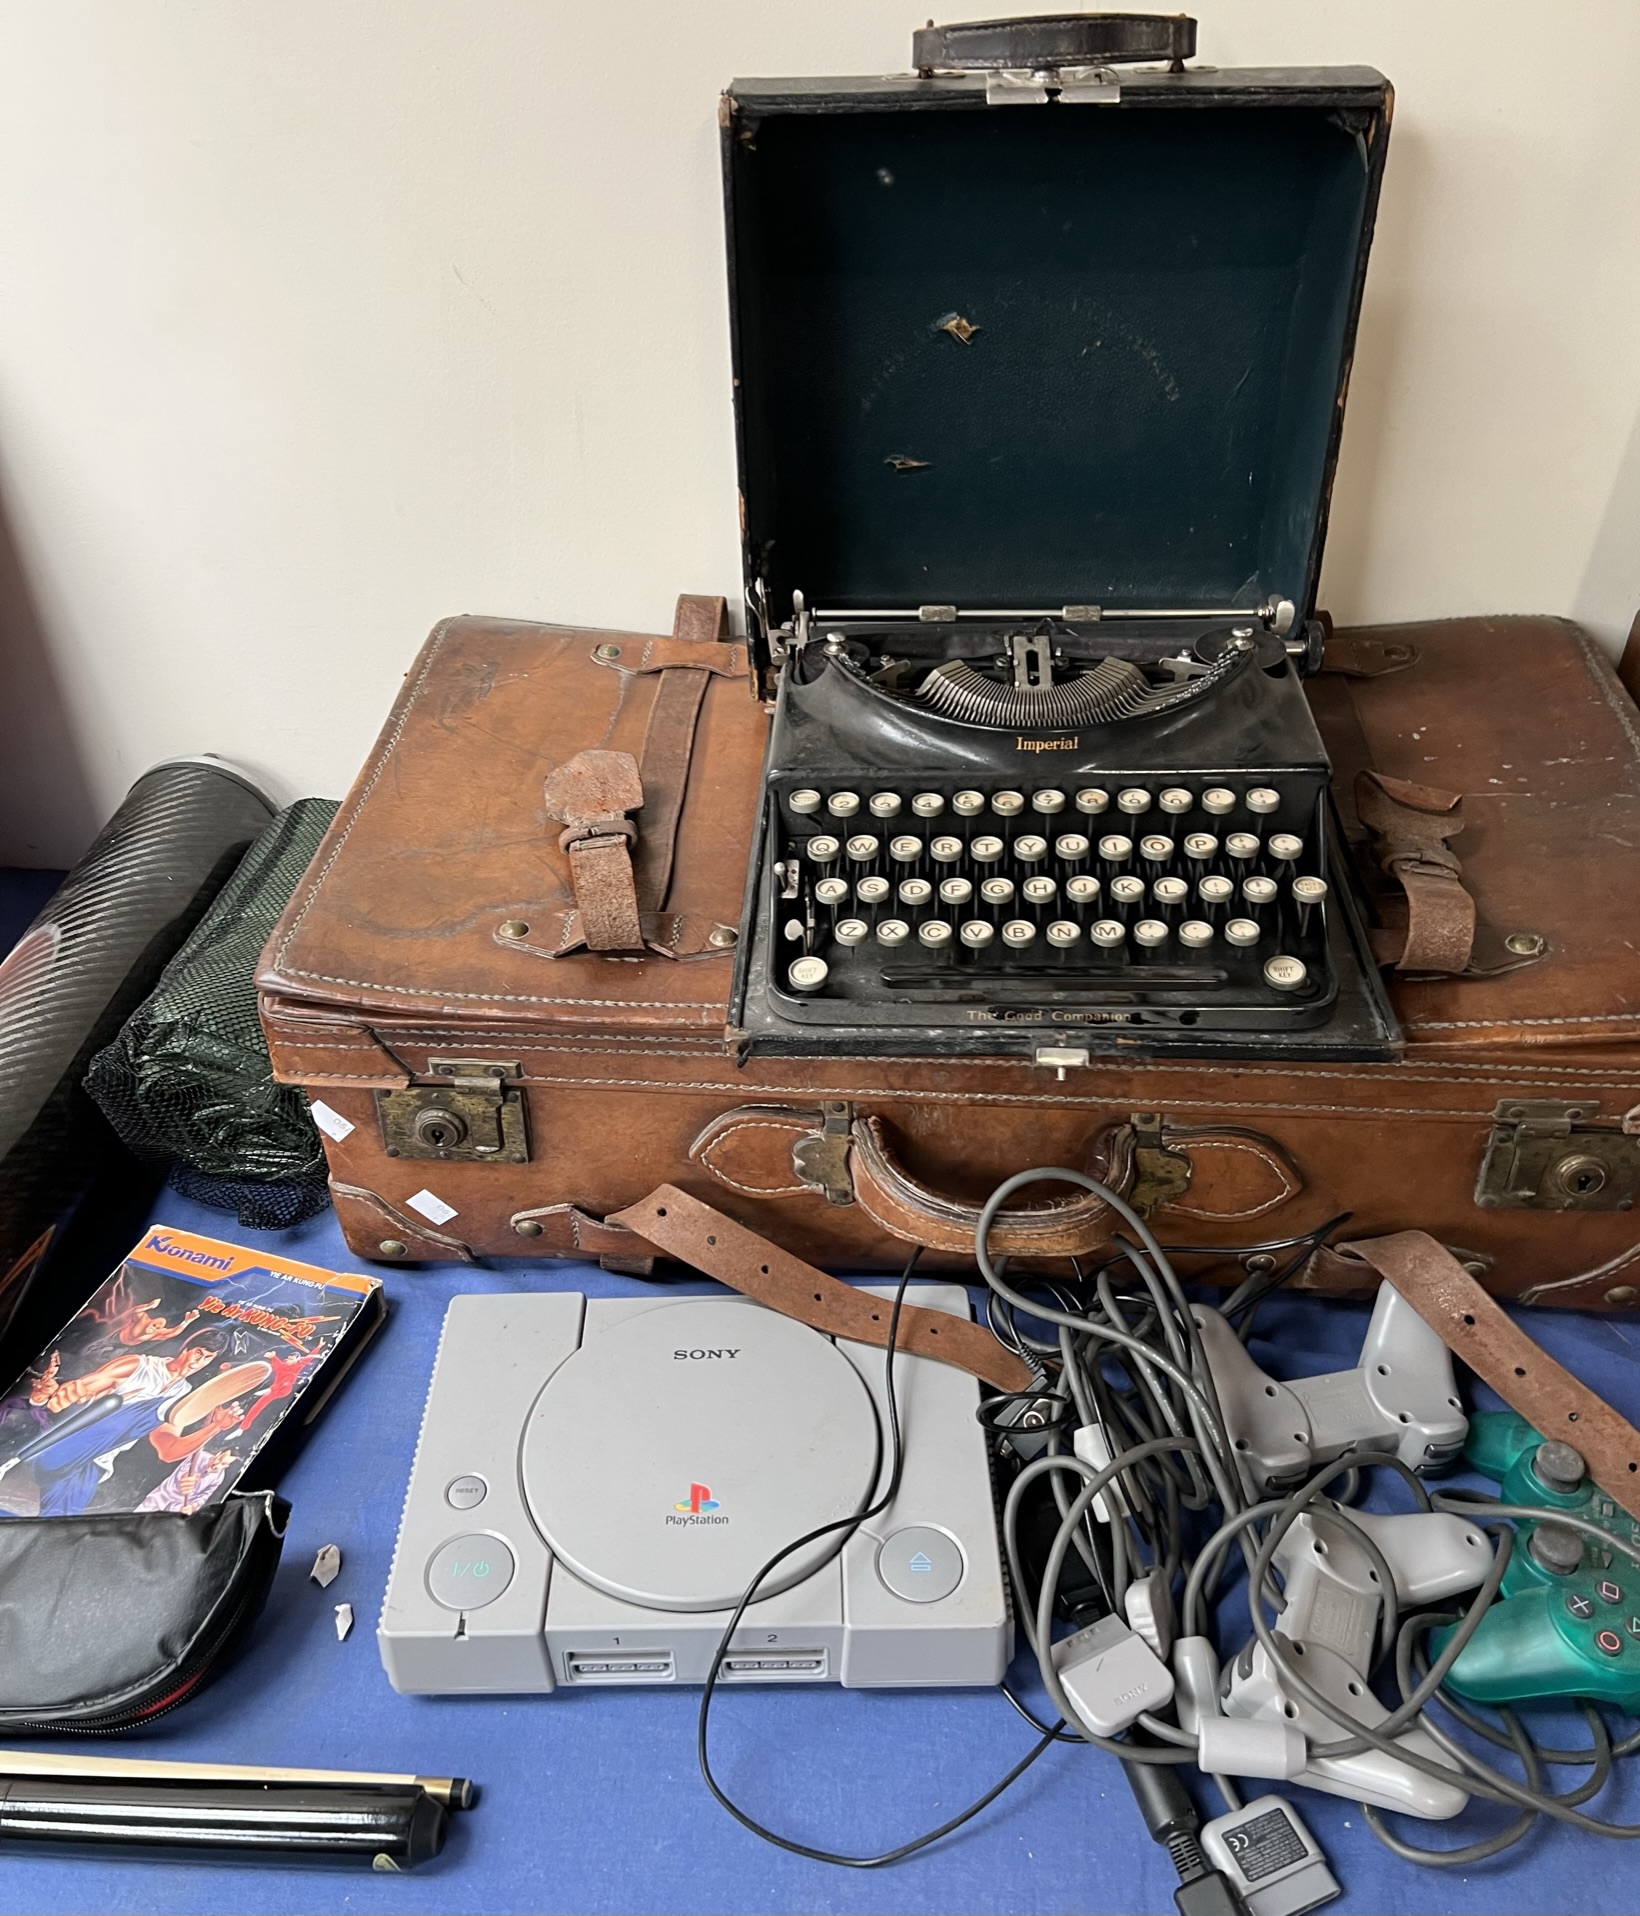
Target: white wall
{"x":321,"y":318}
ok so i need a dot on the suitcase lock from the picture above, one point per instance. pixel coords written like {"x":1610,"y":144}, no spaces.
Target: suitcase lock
{"x":474,"y":1117}
{"x":1545,"y":1155}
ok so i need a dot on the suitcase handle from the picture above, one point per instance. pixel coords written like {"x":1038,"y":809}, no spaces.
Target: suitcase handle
{"x":1048,"y":41}
{"x":1067,"y":1227}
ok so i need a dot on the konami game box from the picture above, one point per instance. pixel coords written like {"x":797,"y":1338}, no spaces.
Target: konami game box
{"x":195,"y":1370}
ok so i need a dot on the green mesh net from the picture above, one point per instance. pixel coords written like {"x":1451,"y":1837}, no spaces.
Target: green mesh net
{"x":188,"y":1079}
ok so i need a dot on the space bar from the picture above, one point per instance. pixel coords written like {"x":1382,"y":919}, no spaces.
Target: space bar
{"x":1059,"y":983}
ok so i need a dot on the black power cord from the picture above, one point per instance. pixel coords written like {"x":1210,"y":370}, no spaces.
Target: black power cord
{"x":848,"y":1525}
{"x":1175,"y":1823}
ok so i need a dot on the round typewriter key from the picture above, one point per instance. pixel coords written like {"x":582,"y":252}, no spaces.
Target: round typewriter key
{"x":1150,"y":932}
{"x":1286,"y":974}
{"x":928,"y":804}
{"x":997,"y":891}
{"x":1030,"y":849}
{"x":1309,"y":894}
{"x":1195,"y":934}
{"x":885,"y":804}
{"x":1007,"y":804}
{"x":862,"y":848}
{"x":1263,"y":801}
{"x":1241,"y":931}
{"x":1259,"y":891}
{"x":968,"y":804}
{"x":905,"y":850}
{"x":1200,"y":846}
{"x":1176,"y":800}
{"x":955,"y":891}
{"x":1285,"y":847}
{"x":823,"y":851}
{"x":1215,"y":891}
{"x":1062,"y":934}
{"x":805,"y":802}
{"x":1017,"y":933}
{"x":831,"y":891}
{"x":1155,"y":848}
{"x":1116,"y":850}
{"x":1242,"y":846}
{"x":1072,"y":847}
{"x":987,"y":850}
{"x":1082,"y":890}
{"x":1127,"y":890}
{"x":843,"y":804}
{"x":1039,"y":891}
{"x":872,"y":891}
{"x":1218,"y":801}
{"x":851,"y":931}
{"x":1047,"y":803}
{"x":976,"y":934}
{"x":807,"y":974}
{"x":946,"y":851}
{"x":1170,"y":893}
{"x":893,"y":931}
{"x":1108,"y":934}
{"x":1092,"y":801}
{"x":936,"y":934}
{"x":1133,"y":801}
{"x":915,"y":892}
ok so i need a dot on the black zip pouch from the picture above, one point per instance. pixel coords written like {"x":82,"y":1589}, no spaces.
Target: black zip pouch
{"x":109,"y":1622}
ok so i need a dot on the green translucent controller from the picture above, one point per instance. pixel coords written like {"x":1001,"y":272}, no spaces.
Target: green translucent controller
{"x":1568,"y":1622}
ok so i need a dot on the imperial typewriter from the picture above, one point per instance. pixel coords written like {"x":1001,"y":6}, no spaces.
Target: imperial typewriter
{"x":1040,"y":376}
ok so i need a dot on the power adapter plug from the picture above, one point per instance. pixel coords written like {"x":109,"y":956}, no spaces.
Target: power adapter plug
{"x":1273,"y":1862}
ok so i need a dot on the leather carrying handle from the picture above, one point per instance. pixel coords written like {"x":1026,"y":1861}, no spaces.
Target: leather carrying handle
{"x":1054,"y":40}
{"x":695,"y":1234}
{"x":1474,"y":1327}
{"x":907,"y":1209}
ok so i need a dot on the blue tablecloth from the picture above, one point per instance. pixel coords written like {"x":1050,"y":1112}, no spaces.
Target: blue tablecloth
{"x":592,"y":1801}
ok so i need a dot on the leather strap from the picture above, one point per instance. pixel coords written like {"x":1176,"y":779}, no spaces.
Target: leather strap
{"x":669,"y":743}
{"x":1474,"y":1327}
{"x":590,"y":795}
{"x":621,"y":886}
{"x":1410,"y":825}
{"x":695,"y":1234}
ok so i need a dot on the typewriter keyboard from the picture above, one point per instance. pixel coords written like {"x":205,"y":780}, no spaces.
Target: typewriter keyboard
{"x":1130,"y":891}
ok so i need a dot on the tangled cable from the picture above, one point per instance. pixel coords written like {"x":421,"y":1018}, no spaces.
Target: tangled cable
{"x":1124,"y":1358}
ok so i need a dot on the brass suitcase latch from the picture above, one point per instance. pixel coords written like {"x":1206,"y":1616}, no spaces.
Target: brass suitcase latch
{"x":475,"y":1115}
{"x":1546,"y":1155}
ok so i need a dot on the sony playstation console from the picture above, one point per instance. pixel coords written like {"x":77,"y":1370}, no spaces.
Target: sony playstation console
{"x":598,"y":1481}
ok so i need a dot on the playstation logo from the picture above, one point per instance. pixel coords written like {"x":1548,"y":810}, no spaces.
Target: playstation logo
{"x":700,"y":1499}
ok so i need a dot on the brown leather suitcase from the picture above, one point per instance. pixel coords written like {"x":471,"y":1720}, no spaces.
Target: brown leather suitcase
{"x":491,"y":1087}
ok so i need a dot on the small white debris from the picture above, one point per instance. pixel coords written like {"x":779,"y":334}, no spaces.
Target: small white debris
{"x":327,"y":1566}
{"x":344,"y":1621}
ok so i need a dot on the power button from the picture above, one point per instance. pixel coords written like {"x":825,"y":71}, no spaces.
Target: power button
{"x":470,"y":1572}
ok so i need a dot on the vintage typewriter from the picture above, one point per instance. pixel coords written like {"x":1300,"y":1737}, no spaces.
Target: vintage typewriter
{"x":1038,"y":409}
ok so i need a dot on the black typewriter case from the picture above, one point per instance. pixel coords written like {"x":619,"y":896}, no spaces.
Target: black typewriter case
{"x":1034,"y":370}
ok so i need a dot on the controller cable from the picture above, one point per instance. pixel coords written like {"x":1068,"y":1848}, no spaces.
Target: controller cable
{"x":848,"y":1526}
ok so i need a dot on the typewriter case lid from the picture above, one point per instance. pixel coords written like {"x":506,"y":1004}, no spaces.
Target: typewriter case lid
{"x":1161,"y":271}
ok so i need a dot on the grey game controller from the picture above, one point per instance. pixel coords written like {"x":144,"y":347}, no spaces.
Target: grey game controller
{"x":1399,"y":1398}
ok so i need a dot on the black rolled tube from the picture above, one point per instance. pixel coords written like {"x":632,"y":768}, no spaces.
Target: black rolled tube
{"x":383,"y":1828}
{"x":93,"y":954}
